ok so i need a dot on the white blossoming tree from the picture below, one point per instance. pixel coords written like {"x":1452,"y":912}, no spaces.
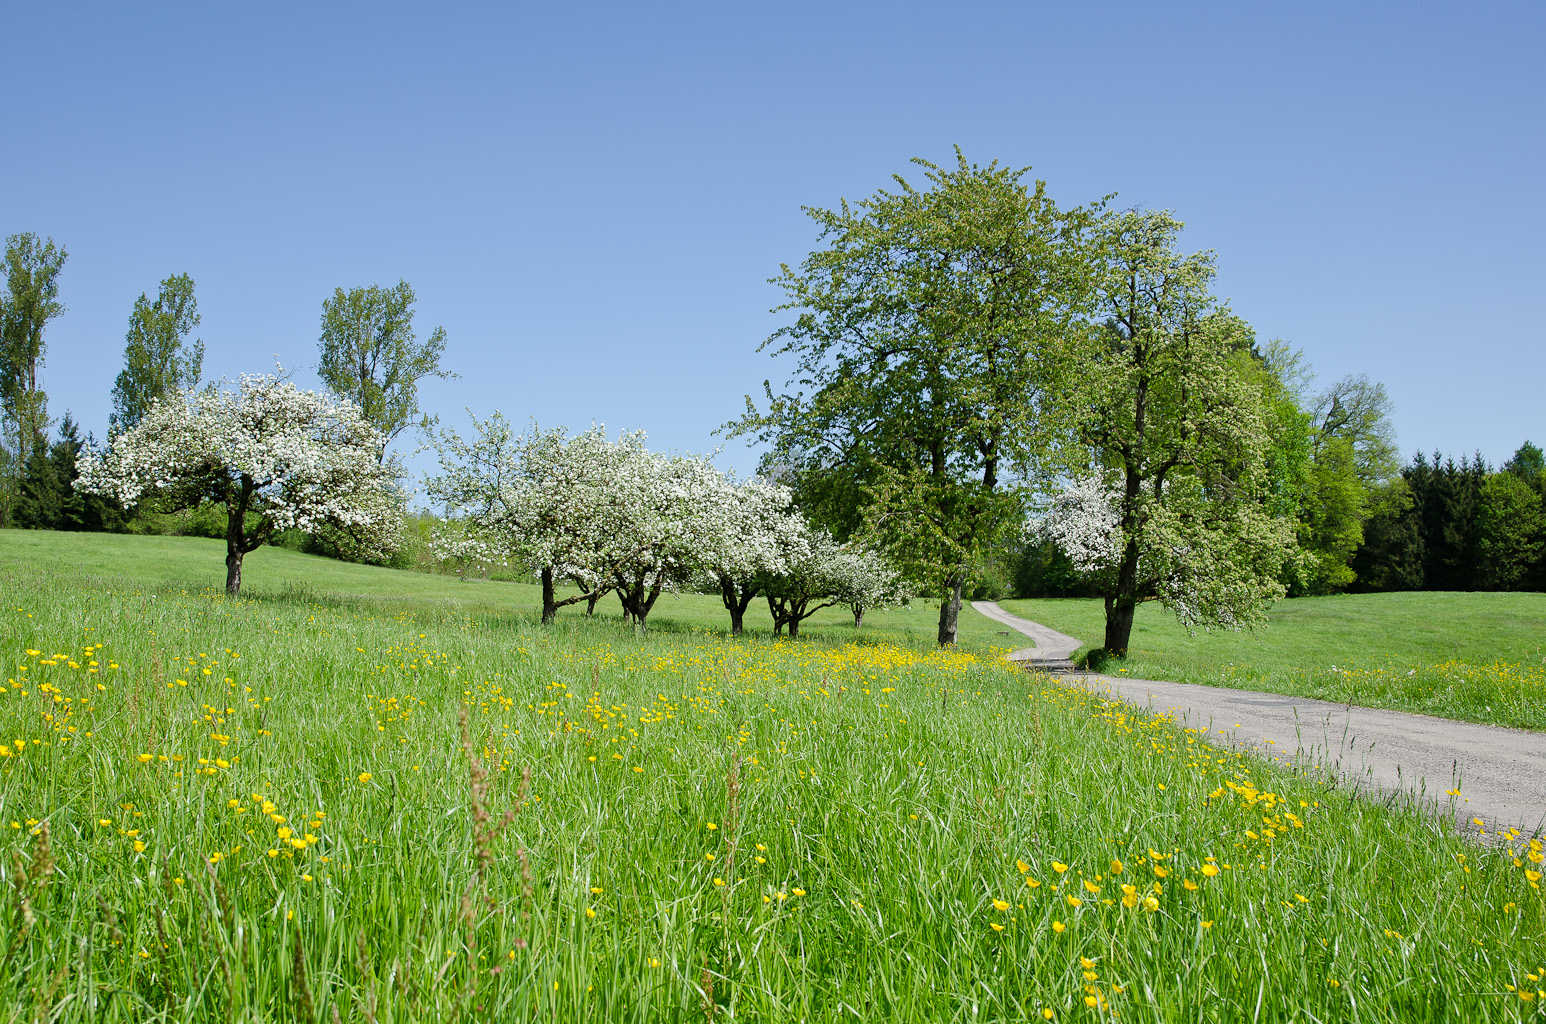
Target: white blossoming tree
{"x":542,"y":498}
{"x":818,"y":572}
{"x":276,"y":456}
{"x":659,"y":535}
{"x":865,"y":579}
{"x":755,"y":519}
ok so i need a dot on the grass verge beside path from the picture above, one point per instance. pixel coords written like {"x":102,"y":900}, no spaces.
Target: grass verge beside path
{"x":1472,"y":657}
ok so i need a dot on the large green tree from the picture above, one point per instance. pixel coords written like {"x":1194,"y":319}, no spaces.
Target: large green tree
{"x":1510,"y":531}
{"x":30,"y":301}
{"x":371,"y":356}
{"x":928,"y":331}
{"x":1172,"y":408}
{"x":159,"y":360}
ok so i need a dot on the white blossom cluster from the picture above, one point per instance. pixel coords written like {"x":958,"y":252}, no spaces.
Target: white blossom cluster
{"x":297,"y":459}
{"x":1084,"y":522}
{"x":1214,"y":565}
{"x":608,"y":515}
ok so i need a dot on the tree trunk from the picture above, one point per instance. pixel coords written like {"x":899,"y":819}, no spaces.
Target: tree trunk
{"x":549,"y":604}
{"x":858,"y":610}
{"x":1119,"y":625}
{"x":233,"y":572}
{"x":794,"y":628}
{"x":950,"y":609}
{"x":1122,"y":604}
{"x":736,"y":602}
{"x":590,"y":603}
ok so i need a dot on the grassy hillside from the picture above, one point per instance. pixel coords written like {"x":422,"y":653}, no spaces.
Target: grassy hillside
{"x":196,"y":565}
{"x":1476,"y":657}
{"x":411,"y":804}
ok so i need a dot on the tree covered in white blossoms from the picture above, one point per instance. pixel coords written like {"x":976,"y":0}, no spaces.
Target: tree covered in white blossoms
{"x":608,"y":515}
{"x":540,"y":498}
{"x":757,"y":520}
{"x":819,"y":572}
{"x":864,"y":579}
{"x":276,"y":456}
{"x":602,"y":515}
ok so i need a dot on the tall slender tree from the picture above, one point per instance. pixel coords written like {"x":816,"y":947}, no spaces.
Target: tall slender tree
{"x":371,"y":356}
{"x":158,"y":359}
{"x":30,"y":301}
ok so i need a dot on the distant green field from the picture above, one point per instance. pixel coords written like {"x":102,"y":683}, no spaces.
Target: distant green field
{"x":196,"y":564}
{"x":292,"y":807}
{"x":1475,"y":657}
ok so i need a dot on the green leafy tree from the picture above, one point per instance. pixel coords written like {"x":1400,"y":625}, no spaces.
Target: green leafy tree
{"x":158,"y":358}
{"x":1391,"y":554}
{"x":29,"y":302}
{"x":371,"y":356}
{"x":1173,"y":410}
{"x":48,"y":498}
{"x":928,"y":332}
{"x":1528,"y":463}
{"x":1510,"y":531}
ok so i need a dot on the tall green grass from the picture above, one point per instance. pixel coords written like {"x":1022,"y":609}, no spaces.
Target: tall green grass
{"x":492,"y":821}
{"x":1473,"y":657}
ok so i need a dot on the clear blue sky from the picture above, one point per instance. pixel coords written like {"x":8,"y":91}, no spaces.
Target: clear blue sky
{"x":590,"y":198}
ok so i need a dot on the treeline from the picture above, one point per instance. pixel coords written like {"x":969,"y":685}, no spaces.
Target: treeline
{"x":1448,"y":525}
{"x":1437,"y":524}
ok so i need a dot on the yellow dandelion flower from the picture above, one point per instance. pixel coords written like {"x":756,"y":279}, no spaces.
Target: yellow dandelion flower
{"x":1000,"y":905}
{"x":1059,"y":866}
{"x":995,"y":926}
{"x":1058,"y":927}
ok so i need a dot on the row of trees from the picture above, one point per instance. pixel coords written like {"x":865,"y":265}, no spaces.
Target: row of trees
{"x":609,"y":516}
{"x":969,"y":358}
{"x":1447,"y":525}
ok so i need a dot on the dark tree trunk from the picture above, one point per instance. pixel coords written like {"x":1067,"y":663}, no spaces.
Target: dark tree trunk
{"x":950,"y":609}
{"x":237,"y":543}
{"x":590,"y":602}
{"x":779,"y":619}
{"x":736,"y":600}
{"x":549,"y":603}
{"x":233,"y":572}
{"x":794,"y":628}
{"x":1122,"y":604}
{"x":858,"y":610}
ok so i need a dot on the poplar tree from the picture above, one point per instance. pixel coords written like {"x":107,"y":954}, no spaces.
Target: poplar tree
{"x":158,"y":359}
{"x":30,"y":301}
{"x":371,"y":356}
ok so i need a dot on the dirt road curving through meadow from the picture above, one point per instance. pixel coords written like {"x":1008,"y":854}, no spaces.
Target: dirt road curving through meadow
{"x":1501,"y":773}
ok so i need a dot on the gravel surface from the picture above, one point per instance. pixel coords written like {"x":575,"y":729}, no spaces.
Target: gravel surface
{"x":1500,"y":773}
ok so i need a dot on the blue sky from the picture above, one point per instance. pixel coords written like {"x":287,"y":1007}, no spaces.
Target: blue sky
{"x":590,"y":198}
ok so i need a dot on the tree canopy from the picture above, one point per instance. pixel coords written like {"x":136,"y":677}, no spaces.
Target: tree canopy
{"x":928,"y":330}
{"x":371,"y":355}
{"x":158,"y":359}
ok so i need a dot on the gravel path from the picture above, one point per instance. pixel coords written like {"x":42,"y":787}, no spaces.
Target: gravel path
{"x":1501,"y":773}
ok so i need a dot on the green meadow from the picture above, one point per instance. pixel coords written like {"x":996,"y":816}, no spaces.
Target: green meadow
{"x":364,"y":795}
{"x":1478,"y":657}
